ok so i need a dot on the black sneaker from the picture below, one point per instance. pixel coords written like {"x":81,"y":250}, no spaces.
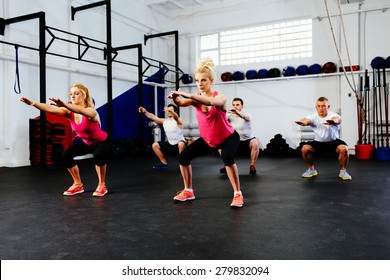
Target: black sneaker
{"x":252,"y":170}
{"x":222,"y":170}
{"x":161,"y":166}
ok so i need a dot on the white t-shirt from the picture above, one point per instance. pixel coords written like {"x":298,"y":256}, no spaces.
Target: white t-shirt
{"x":173,"y":132}
{"x":242,"y":126}
{"x":323,"y":132}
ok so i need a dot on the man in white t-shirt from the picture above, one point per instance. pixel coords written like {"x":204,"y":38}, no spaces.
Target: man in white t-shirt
{"x":242,"y":124}
{"x":326,"y":126}
{"x":173,"y":127}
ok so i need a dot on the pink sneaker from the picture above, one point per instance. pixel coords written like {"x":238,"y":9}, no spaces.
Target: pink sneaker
{"x":100,"y":191}
{"x":238,"y":201}
{"x":74,"y":189}
{"x":184,"y":195}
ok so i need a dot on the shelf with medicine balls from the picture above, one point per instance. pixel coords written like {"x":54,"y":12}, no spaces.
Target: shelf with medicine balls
{"x":288,"y":71}
{"x":314,"y":70}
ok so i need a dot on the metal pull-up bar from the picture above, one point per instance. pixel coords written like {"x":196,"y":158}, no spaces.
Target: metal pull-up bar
{"x":42,"y":68}
{"x":140,"y":77}
{"x":110,"y":55}
{"x":74,"y":10}
{"x":176,"y":34}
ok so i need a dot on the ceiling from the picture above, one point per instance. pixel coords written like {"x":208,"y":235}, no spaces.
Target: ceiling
{"x":173,"y":9}
{"x":181,"y":8}
{"x":350,"y":1}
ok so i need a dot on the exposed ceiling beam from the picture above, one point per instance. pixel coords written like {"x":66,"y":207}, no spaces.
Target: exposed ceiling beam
{"x":200,"y":2}
{"x":153,"y":2}
{"x":177,"y":4}
{"x":351,"y":1}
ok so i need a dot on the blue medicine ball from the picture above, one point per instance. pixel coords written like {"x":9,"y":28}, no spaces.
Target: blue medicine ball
{"x":238,"y":75}
{"x":251,"y":74}
{"x":186,"y":79}
{"x":226,"y":76}
{"x":288,"y":71}
{"x":262,"y":73}
{"x":388,"y":62}
{"x":302,"y":70}
{"x":378,"y":62}
{"x":273,"y":73}
{"x":315,"y":69}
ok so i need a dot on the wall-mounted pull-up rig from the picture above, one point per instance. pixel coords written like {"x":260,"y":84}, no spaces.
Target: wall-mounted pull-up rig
{"x":85,"y":44}
{"x":42,"y":65}
{"x":177,"y":69}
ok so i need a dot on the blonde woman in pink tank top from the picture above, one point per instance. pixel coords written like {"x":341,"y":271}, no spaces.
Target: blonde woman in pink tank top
{"x":85,"y":123}
{"x":215,"y":132}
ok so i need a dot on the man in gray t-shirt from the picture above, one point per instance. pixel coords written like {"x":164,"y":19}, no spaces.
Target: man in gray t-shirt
{"x":242,"y":124}
{"x":326,"y":126}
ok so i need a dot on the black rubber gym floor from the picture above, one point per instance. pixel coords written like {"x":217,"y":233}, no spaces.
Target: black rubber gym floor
{"x":285,"y":217}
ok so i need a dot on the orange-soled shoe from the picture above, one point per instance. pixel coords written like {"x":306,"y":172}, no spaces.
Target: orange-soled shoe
{"x":238,"y":201}
{"x":74,"y":189}
{"x":100,"y":191}
{"x":184,"y":195}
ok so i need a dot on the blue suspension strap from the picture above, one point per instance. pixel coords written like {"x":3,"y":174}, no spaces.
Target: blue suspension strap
{"x":17,"y":80}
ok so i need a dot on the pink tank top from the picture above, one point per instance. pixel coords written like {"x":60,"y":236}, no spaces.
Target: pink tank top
{"x":213,"y":125}
{"x":89,"y":131}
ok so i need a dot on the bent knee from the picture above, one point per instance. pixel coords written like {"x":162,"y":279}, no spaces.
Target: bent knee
{"x":254,"y":144}
{"x":307,"y":149}
{"x":342,"y":149}
{"x":228,"y":160}
{"x":181,"y":146}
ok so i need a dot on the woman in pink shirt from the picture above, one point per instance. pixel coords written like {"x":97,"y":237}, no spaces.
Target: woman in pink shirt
{"x":215,"y":131}
{"x":84,"y":121}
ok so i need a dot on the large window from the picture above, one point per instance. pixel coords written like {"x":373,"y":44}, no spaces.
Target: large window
{"x":278,"y":41}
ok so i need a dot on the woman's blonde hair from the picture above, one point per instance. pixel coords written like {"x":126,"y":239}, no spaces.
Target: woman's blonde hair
{"x":87,"y":95}
{"x":206,"y":66}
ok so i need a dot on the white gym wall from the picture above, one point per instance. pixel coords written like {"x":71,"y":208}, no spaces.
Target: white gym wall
{"x":274,"y":104}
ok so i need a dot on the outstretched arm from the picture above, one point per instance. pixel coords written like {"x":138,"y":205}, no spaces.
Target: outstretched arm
{"x":217,"y":101}
{"x":59,"y":111}
{"x":192,"y":99}
{"x":150,"y":116}
{"x":335,"y":120}
{"x":88,"y":112}
{"x":174,"y":115}
{"x":241,"y":114}
{"x":181,"y":98}
{"x":303,"y":122}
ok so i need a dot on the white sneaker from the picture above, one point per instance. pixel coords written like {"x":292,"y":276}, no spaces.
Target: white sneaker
{"x":309,"y":173}
{"x":344,"y":175}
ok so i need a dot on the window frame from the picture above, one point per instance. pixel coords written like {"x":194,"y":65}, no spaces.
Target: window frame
{"x":285,"y":40}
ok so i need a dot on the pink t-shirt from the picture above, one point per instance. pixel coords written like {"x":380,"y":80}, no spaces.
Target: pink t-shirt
{"x":89,"y":131}
{"x":213,"y":125}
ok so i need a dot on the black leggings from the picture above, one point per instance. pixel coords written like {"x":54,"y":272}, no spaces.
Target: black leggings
{"x":200,"y":148}
{"x":101,"y":153}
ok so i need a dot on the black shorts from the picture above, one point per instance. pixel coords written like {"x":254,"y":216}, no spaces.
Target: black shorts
{"x":244,"y":148}
{"x":168,"y":148}
{"x":326,"y":147}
